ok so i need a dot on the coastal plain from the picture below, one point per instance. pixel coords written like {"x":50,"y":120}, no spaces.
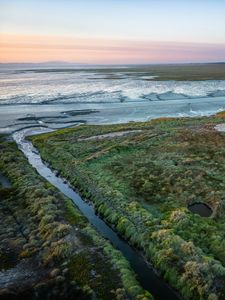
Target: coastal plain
{"x":48,"y":249}
{"x":143,"y":183}
{"x":144,"y":151}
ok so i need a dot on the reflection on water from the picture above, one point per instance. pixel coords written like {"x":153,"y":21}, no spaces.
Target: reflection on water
{"x":47,"y":97}
{"x":14,"y":117}
{"x":83,"y":86}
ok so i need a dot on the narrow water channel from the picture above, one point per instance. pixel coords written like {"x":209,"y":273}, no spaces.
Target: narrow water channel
{"x":145,"y":273}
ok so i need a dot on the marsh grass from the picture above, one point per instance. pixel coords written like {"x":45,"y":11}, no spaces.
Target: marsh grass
{"x":143,"y":183}
{"x":41,"y":226}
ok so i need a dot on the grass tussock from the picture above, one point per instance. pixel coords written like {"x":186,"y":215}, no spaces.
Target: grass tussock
{"x":41,"y":228}
{"x":143,"y":183}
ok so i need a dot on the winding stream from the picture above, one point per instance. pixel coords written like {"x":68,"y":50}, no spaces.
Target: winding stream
{"x":145,"y":273}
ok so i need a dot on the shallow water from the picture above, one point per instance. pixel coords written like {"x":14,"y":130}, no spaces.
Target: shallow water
{"x":14,"y":117}
{"x":201,"y":209}
{"x":78,"y":86}
{"x":145,"y":273}
{"x":51,"y":97}
{"x":4,"y":181}
{"x":59,"y":99}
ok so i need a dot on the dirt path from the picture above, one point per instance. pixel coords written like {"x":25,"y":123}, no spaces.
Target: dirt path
{"x":108,"y":135}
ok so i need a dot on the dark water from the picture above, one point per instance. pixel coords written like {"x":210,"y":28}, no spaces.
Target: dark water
{"x":145,"y":273}
{"x":4,"y":181}
{"x":201,"y":209}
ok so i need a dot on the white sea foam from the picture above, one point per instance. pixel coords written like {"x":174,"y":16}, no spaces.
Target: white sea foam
{"x":83,"y":86}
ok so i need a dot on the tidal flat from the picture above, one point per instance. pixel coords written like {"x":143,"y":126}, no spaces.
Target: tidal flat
{"x":58,"y":97}
{"x":143,"y":183}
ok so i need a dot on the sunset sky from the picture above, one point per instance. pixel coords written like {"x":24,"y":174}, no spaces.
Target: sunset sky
{"x":112,"y":31}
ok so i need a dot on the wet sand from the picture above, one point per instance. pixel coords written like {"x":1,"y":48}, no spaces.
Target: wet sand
{"x":16,"y":116}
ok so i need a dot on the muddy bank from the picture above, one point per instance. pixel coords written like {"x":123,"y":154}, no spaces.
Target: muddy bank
{"x":48,"y":249}
{"x":11,"y":115}
{"x":145,"y":273}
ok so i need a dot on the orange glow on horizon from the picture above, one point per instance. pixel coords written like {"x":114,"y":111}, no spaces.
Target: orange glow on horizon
{"x":31,"y":48}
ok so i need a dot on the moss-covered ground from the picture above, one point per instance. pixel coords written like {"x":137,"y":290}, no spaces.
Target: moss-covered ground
{"x":143,"y":182}
{"x":48,"y":250}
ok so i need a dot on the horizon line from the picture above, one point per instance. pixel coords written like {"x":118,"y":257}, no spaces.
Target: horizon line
{"x":109,"y":64}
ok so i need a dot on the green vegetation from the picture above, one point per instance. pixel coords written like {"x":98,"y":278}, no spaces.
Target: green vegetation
{"x":142,"y":183}
{"x":47,"y":246}
{"x":179,"y":72}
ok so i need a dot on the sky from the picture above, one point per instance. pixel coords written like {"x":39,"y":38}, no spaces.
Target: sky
{"x":112,"y":31}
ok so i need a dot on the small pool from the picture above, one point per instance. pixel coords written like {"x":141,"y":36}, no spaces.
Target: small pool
{"x":201,"y":209}
{"x":4,"y":181}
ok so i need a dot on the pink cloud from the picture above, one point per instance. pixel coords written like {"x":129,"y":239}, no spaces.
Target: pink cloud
{"x":20,"y":48}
